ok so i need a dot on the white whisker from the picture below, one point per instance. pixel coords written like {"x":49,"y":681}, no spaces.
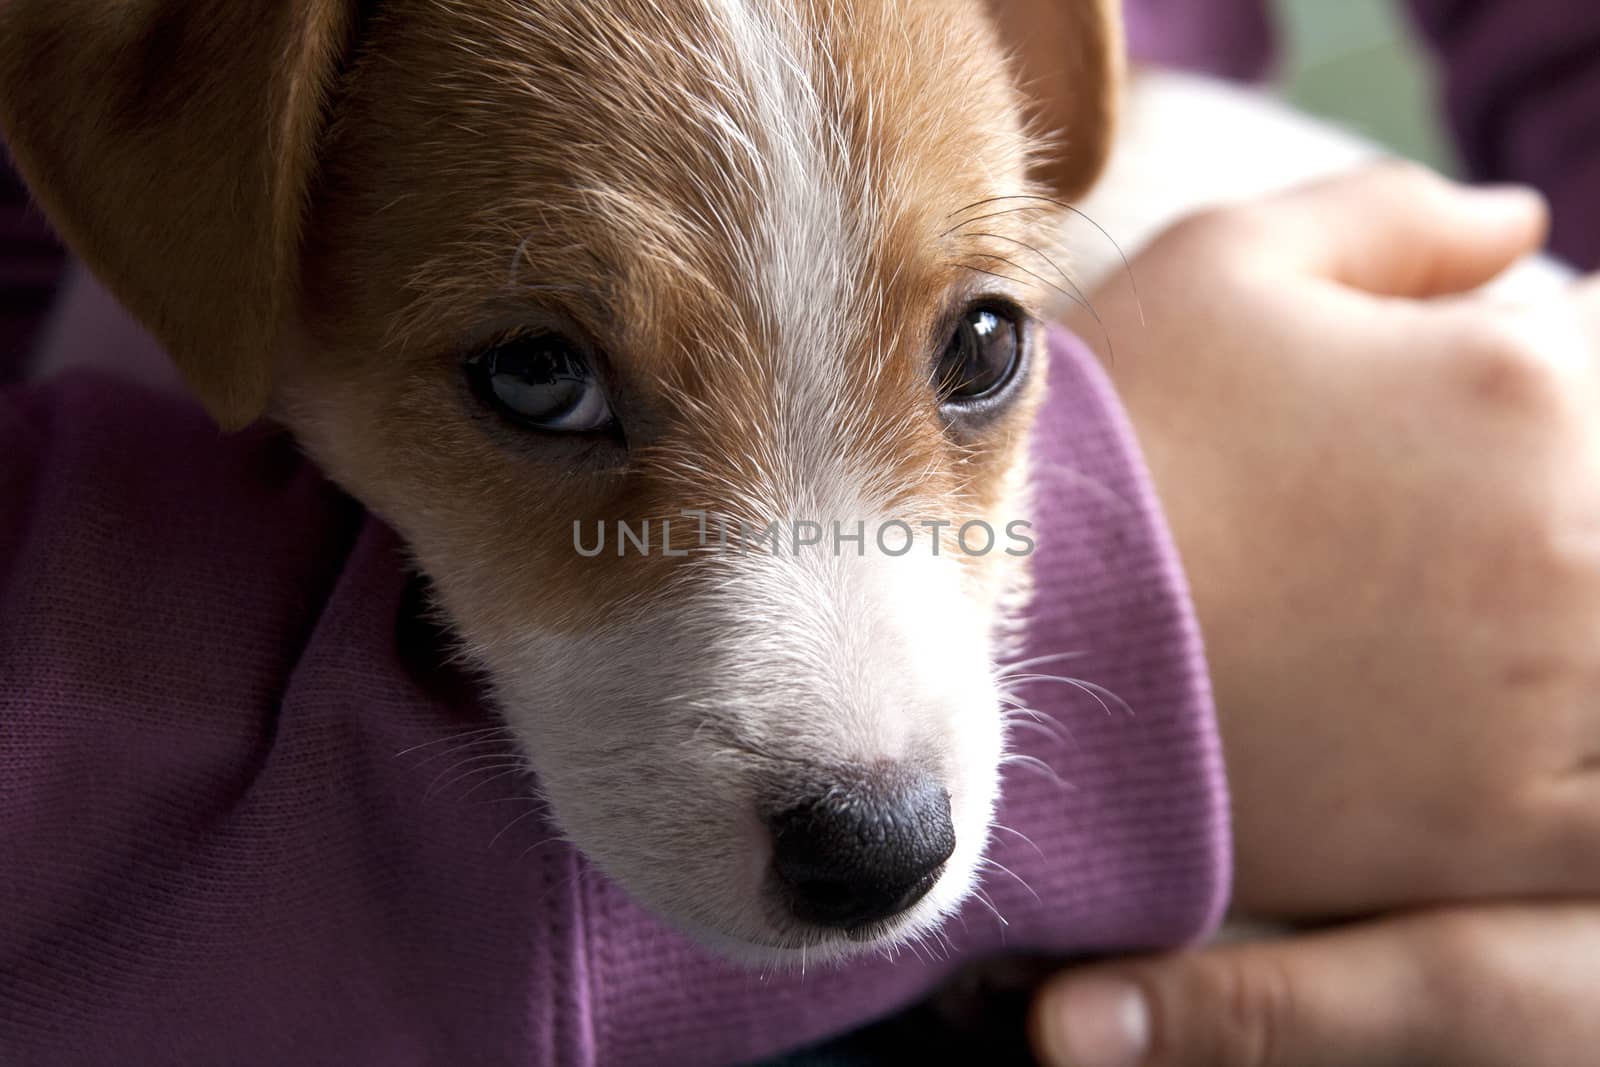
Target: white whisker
{"x":1039,"y":765}
{"x":538,"y":809}
{"x":986,"y":862}
{"x":454,"y":737}
{"x":1018,"y":833}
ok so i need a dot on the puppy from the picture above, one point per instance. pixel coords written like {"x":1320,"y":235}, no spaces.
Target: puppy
{"x":513,"y":271}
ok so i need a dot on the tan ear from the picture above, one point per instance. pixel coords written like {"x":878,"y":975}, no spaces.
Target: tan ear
{"x":172,"y":142}
{"x":1071,"y":67}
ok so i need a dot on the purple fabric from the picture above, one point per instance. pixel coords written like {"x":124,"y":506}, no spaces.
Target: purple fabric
{"x":1522,"y":88}
{"x":1228,"y":38}
{"x":86,"y":327}
{"x":228,"y":834}
{"x":30,"y":265}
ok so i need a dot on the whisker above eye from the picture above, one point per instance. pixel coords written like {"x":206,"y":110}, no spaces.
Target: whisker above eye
{"x":1042,"y":280}
{"x":1042,"y":202}
{"x":992,"y":215}
{"x":1105,"y":334}
{"x":1079,"y":297}
{"x":1035,"y":249}
{"x":1127,"y":266}
{"x":990,"y":273}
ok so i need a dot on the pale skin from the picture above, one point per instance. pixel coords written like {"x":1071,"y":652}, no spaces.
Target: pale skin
{"x":1386,"y":491}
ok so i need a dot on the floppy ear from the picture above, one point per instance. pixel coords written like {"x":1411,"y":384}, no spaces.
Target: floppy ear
{"x":1070,"y":63}
{"x":172,"y":142}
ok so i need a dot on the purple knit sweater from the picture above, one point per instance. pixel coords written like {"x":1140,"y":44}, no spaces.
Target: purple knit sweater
{"x":228,"y":830}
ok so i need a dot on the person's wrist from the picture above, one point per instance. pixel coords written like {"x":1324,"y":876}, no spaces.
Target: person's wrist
{"x":1213,"y":602}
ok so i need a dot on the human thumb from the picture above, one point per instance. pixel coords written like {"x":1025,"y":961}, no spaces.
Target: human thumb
{"x":1398,"y":229}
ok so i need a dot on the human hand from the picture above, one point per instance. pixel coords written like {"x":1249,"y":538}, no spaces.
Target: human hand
{"x":1388,"y":509}
{"x":1388,"y":506}
{"x":1486,"y":986}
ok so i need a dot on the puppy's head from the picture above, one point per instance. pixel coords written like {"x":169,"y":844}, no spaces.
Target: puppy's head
{"x":691,"y":345}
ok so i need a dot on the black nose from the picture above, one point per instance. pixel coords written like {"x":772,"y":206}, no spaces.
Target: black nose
{"x":862,"y":852}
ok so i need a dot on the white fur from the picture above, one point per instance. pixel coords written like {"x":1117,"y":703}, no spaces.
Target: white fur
{"x":807,"y":260}
{"x":754,"y":668}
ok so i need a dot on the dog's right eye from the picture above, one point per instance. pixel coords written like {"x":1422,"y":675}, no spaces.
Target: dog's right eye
{"x":544,"y":382}
{"x":982,"y":357}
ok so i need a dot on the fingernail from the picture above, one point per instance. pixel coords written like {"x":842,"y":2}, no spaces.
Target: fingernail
{"x":1099,"y":1022}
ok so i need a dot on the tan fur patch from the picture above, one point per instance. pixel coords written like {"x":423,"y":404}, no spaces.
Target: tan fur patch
{"x":604,"y":197}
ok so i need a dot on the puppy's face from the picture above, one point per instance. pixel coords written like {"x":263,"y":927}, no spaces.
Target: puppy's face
{"x":530,"y":278}
{"x":582,"y":265}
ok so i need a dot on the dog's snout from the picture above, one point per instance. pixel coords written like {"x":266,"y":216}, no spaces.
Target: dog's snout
{"x":859,"y":853}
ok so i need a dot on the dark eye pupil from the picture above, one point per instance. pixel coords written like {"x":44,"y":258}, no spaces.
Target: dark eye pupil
{"x":540,"y":378}
{"x":980,"y":356}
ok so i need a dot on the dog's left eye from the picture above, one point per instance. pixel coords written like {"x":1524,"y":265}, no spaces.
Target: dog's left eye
{"x":981,"y":357}
{"x":544,"y":382}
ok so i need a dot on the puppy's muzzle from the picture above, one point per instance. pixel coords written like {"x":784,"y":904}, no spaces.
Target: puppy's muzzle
{"x":862,"y":849}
